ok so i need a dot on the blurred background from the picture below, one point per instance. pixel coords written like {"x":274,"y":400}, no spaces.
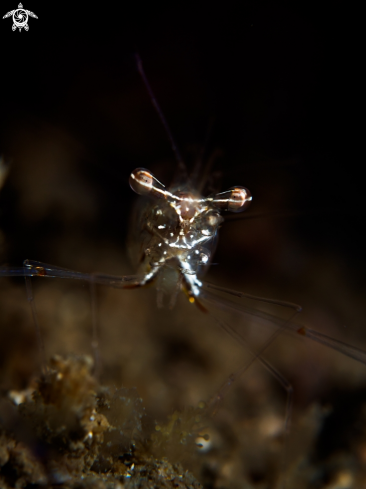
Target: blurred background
{"x":278,"y":85}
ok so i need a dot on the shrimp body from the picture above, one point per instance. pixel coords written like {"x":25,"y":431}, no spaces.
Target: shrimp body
{"x":177,"y":233}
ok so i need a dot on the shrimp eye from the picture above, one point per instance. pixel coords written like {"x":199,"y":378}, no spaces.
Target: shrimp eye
{"x":143,"y":182}
{"x":239,"y":199}
{"x":236,"y":199}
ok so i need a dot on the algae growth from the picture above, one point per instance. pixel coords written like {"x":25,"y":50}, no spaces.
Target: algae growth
{"x":72,"y":432}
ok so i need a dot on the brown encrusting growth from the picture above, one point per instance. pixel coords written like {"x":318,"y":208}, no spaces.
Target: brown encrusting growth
{"x":72,"y":432}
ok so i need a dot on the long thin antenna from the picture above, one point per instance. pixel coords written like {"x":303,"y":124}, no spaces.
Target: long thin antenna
{"x":158,"y":110}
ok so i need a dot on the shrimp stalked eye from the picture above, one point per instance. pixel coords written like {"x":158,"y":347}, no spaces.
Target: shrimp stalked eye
{"x":236,"y":199}
{"x":143,"y":182}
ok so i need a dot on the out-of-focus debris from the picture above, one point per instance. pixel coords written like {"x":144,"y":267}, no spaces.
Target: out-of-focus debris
{"x":180,"y":435}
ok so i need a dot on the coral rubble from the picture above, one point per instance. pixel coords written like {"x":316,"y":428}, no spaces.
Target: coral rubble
{"x":72,"y":432}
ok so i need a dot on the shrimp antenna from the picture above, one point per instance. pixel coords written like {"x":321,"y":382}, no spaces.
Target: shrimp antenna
{"x":160,"y":113}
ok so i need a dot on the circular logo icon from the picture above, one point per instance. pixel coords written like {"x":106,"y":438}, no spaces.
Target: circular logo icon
{"x":20,"y":17}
